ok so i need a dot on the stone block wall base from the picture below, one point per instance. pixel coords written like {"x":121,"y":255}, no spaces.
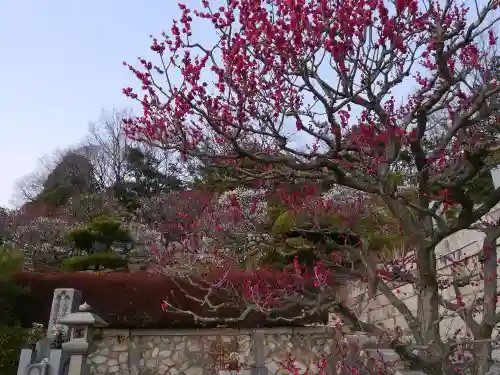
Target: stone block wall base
{"x":259,"y":371}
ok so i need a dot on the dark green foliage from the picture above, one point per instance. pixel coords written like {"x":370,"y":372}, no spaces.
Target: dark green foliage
{"x":95,"y":262}
{"x":281,"y":260}
{"x":224,"y":177}
{"x":480,"y":187}
{"x":127,"y":196}
{"x":307,"y":247}
{"x":12,"y":340}
{"x":147,"y":179}
{"x":101,"y":231}
{"x":10,"y":262}
{"x":275,"y":208}
{"x":314,"y":236}
{"x":73,"y":175}
{"x":4,"y":224}
{"x":477,"y":188}
{"x":58,"y":195}
{"x":12,"y":335}
{"x":143,"y":168}
{"x":275,"y":259}
{"x":108,"y":231}
{"x":215,"y":179}
{"x":144,"y":179}
{"x":81,"y":238}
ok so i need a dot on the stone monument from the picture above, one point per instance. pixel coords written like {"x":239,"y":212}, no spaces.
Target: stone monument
{"x":65,"y":301}
{"x":50,"y":357}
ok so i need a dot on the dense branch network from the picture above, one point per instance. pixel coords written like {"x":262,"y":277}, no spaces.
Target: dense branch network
{"x":396,"y":101}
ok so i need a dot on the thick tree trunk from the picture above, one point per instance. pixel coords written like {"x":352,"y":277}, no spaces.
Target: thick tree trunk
{"x":428,"y":308}
{"x":428,"y":317}
{"x":489,"y":300}
{"x":483,"y":356}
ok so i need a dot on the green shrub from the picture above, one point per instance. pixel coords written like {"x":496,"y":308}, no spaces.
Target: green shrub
{"x":108,"y":231}
{"x":288,"y":221}
{"x":95,"y":262}
{"x":10,"y":293}
{"x":291,"y":220}
{"x":12,"y":340}
{"x":103,"y":230}
{"x":275,"y":207}
{"x":81,"y":238}
{"x":10,"y":261}
{"x":12,"y":335}
{"x":58,"y":196}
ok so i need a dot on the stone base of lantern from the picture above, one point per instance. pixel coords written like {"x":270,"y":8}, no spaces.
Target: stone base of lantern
{"x":259,"y":370}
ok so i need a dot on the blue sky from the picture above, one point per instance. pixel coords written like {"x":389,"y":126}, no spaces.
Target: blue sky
{"x":61,"y":64}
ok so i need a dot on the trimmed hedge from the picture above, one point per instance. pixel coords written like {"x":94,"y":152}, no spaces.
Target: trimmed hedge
{"x":127,"y":300}
{"x":95,"y":261}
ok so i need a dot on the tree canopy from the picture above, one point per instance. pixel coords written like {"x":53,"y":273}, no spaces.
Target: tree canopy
{"x":396,"y":101}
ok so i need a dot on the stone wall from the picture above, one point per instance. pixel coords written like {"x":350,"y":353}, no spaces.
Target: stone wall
{"x":151,"y":352}
{"x":465,"y":244}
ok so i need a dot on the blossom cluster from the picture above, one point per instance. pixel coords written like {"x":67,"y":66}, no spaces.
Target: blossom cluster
{"x":340,"y":193}
{"x":42,"y":239}
{"x":251,"y":203}
{"x":35,"y":334}
{"x":146,"y":239}
{"x":87,"y":206}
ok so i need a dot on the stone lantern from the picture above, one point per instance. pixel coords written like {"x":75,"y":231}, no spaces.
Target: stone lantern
{"x":81,"y":325}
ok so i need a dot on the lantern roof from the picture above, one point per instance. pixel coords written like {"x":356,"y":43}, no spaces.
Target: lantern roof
{"x":83,"y":317}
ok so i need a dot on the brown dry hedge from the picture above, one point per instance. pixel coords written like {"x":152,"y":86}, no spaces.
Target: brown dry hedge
{"x":127,"y":300}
